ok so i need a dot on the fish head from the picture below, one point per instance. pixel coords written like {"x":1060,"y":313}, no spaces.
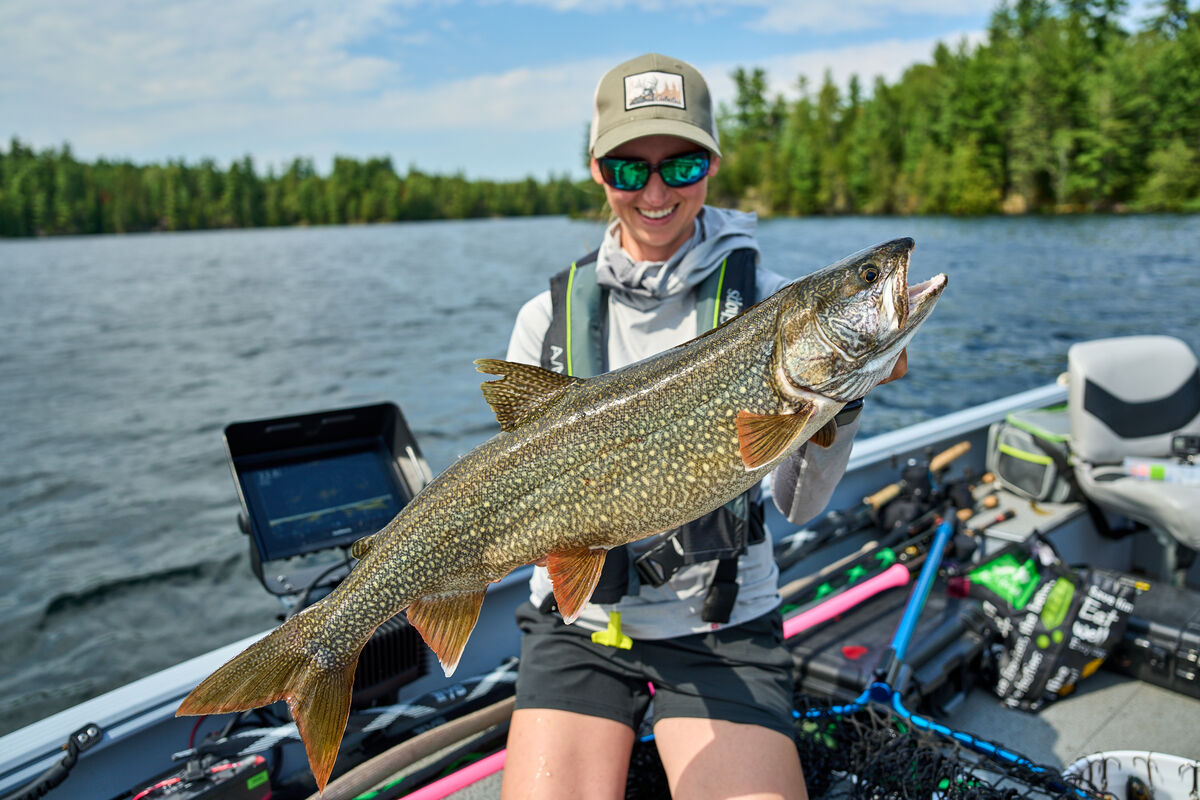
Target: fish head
{"x":843,"y":327}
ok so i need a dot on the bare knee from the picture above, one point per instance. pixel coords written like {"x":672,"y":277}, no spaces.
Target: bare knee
{"x":717,"y":759}
{"x":554,"y":754}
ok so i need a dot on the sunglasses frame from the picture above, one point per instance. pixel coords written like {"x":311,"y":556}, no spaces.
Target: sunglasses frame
{"x":608,"y":171}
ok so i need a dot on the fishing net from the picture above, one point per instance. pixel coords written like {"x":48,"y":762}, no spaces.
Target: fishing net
{"x":875,"y":754}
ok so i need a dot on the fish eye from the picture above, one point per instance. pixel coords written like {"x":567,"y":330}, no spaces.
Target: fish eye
{"x":869,"y":273}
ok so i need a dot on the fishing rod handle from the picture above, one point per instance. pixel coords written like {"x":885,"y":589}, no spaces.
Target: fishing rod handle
{"x":943,"y":459}
{"x":883,"y":496}
{"x":848,"y":598}
{"x":936,"y":464}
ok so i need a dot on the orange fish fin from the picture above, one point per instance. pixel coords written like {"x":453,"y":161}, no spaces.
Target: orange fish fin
{"x":764,"y":437}
{"x":277,"y":668}
{"x":522,"y":390}
{"x":574,"y":574}
{"x":826,"y":436}
{"x":321,"y":714}
{"x":445,"y":623}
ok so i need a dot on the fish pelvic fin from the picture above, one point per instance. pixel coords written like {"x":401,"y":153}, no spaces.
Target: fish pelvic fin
{"x":762,"y":438}
{"x":574,"y":574}
{"x":522,"y":390}
{"x":315,"y":681}
{"x":445,"y":623}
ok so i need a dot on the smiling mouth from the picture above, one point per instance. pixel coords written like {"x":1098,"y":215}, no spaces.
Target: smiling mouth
{"x":659,"y":214}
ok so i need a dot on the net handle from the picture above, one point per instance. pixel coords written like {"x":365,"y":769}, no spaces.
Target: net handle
{"x":916,"y":601}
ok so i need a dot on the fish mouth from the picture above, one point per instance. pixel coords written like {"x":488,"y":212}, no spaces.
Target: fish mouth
{"x":908,"y":305}
{"x":919,"y":300}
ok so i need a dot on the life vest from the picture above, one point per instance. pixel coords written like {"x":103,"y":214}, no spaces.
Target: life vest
{"x":577,"y":344}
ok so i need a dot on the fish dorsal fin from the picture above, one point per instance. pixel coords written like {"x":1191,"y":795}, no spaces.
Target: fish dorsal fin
{"x":764,"y":437}
{"x":522,"y":389}
{"x":445,"y":623}
{"x":362,"y":546}
{"x":574,"y":574}
{"x":826,"y":436}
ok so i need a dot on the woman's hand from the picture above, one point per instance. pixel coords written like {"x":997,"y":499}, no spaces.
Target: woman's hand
{"x":899,"y":370}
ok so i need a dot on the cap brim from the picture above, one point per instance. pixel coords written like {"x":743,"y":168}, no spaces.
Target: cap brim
{"x":636,"y":129}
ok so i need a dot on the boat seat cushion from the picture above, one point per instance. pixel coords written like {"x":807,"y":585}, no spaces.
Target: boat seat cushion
{"x":1127,"y":397}
{"x":1173,"y":508}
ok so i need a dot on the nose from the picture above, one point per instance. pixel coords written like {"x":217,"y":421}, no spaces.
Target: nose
{"x":655,"y":191}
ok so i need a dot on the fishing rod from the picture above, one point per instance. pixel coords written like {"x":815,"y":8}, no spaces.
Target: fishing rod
{"x":851,"y":586}
{"x":839,"y":523}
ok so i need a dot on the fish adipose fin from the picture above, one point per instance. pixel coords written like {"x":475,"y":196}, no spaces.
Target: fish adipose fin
{"x":762,"y":438}
{"x":522,"y":390}
{"x":316,"y":687}
{"x":445,"y":623}
{"x":362,"y":546}
{"x":574,"y":574}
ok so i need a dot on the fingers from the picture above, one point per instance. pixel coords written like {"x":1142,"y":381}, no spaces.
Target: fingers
{"x":898,"y":371}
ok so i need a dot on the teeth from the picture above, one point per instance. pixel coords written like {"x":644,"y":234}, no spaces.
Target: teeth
{"x":656,"y":214}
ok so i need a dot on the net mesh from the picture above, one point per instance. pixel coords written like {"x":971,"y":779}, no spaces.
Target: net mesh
{"x":875,"y":754}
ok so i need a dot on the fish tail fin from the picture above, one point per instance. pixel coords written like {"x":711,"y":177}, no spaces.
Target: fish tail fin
{"x":315,"y":680}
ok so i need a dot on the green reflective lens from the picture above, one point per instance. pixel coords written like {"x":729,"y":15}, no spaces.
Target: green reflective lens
{"x":684,"y":170}
{"x":632,"y":174}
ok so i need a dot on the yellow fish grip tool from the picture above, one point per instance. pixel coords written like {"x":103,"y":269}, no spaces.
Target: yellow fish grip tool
{"x":612,"y":636}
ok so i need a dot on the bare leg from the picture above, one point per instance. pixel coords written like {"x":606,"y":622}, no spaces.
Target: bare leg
{"x":555,"y":754}
{"x":718,"y":759}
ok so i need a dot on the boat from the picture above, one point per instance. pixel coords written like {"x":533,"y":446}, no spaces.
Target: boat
{"x":128,"y":743}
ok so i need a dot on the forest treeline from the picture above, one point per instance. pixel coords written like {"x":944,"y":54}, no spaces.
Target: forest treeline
{"x":1059,"y":109}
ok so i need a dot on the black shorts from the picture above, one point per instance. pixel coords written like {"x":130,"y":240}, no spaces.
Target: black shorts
{"x":739,"y":674}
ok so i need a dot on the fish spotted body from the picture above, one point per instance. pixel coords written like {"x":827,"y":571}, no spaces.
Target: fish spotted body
{"x":581,"y":466}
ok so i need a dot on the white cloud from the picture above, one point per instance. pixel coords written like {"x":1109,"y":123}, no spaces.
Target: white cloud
{"x":841,"y":16}
{"x":887,"y":58}
{"x":144,"y":54}
{"x":790,"y":16}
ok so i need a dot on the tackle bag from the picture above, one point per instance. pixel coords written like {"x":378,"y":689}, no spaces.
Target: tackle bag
{"x":1056,"y":624}
{"x":1029,"y":455}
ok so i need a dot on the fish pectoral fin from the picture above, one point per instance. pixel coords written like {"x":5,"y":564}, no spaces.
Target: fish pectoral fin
{"x":574,"y":574}
{"x":362,"y":546}
{"x":764,"y":437}
{"x":522,"y":390}
{"x":826,"y":436}
{"x":445,"y":623}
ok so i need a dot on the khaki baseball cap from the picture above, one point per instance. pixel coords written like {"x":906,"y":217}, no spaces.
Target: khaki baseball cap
{"x":649,"y":95}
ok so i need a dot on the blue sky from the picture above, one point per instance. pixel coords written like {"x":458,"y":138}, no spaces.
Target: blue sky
{"x":494,"y":88}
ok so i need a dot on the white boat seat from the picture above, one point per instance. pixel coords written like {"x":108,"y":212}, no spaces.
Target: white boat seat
{"x":1127,"y":396}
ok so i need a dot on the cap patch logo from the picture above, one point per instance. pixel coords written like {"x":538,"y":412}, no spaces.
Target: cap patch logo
{"x":654,"y":89}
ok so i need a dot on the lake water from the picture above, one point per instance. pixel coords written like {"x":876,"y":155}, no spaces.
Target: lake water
{"x":122,"y":359}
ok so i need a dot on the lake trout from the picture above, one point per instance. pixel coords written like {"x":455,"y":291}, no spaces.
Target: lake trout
{"x":581,"y":466}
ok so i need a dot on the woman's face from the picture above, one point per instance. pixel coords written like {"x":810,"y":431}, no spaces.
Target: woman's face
{"x":656,"y":219}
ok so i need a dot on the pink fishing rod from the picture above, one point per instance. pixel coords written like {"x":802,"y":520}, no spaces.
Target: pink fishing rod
{"x":893,"y":576}
{"x":444,"y":787}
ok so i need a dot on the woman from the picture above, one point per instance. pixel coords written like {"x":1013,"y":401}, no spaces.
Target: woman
{"x":691,"y":616}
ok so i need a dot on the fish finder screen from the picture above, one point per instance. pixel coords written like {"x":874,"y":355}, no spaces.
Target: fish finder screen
{"x":310,"y":505}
